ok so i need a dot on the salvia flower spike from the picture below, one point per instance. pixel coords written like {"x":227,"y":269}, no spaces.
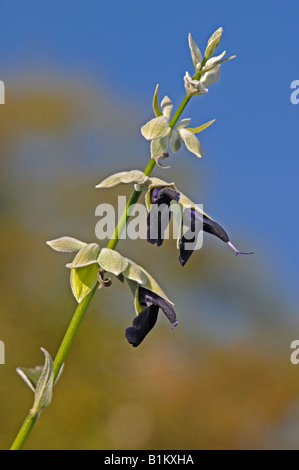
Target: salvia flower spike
{"x":91,"y":262}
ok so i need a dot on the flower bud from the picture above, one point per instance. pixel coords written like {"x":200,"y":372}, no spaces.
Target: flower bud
{"x":213,"y":42}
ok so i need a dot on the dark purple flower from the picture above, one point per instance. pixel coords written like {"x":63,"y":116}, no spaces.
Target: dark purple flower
{"x":196,"y":222}
{"x":159,"y":215}
{"x":146,"y":319}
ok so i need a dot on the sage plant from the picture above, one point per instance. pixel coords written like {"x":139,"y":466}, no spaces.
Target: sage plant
{"x":92,"y":265}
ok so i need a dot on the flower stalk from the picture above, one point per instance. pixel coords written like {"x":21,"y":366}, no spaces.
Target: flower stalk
{"x":83,"y":305}
{"x":145,"y":296}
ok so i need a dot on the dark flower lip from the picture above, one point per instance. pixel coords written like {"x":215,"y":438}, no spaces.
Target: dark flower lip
{"x":209,"y":226}
{"x":159,"y":219}
{"x":146,"y":319}
{"x":164,"y":195}
{"x":142,"y":325}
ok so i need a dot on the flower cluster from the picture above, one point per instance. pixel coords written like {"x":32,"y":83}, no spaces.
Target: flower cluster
{"x":207,"y":71}
{"x":160,"y":130}
{"x":87,"y":270}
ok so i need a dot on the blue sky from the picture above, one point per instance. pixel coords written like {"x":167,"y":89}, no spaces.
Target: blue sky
{"x":251,"y":153}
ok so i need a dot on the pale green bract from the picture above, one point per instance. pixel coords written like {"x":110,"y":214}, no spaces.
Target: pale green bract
{"x":133,"y":176}
{"x":83,"y":280}
{"x":113,"y":262}
{"x":210,"y":77}
{"x":87,"y":255}
{"x":156,"y":107}
{"x":216,"y":61}
{"x":41,"y":381}
{"x":66,"y":244}
{"x":167,"y":107}
{"x":156,"y":128}
{"x":44,"y":387}
{"x":181,"y":134}
{"x":84,"y":271}
{"x":30,"y":375}
{"x":213,"y":42}
{"x":195,"y":53}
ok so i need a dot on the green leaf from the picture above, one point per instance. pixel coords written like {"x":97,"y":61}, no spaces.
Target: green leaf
{"x":83,"y":280}
{"x":156,"y":107}
{"x":112,"y":261}
{"x":195,"y":53}
{"x":133,"y":176}
{"x":87,"y":255}
{"x":66,"y":244}
{"x":167,"y":107}
{"x":191,"y":141}
{"x":196,"y":130}
{"x":156,"y":128}
{"x":44,"y":387}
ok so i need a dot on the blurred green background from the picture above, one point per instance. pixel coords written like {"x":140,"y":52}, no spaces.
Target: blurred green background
{"x":221,"y":380}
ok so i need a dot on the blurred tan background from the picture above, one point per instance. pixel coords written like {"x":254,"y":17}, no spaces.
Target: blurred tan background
{"x":222,"y":379}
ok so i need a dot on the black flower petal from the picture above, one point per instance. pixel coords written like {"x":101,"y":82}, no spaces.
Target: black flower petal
{"x":146,"y":319}
{"x":195,"y":220}
{"x":142,"y":325}
{"x":159,"y":216}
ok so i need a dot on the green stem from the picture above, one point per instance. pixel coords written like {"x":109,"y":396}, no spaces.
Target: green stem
{"x":83,"y":305}
{"x":186,"y":100}
{"x":24,"y":432}
{"x":71,"y":331}
{"x":179,"y":111}
{"x":58,"y":362}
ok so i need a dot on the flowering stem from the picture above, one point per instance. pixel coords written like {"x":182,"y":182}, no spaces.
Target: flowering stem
{"x":185,"y":101}
{"x":71,"y":331}
{"x":83,"y":305}
{"x":179,"y":111}
{"x":58,"y":362}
